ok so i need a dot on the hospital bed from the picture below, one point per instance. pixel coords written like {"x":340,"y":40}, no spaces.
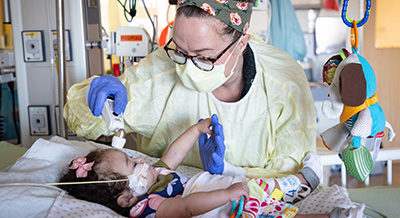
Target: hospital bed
{"x":23,"y":193}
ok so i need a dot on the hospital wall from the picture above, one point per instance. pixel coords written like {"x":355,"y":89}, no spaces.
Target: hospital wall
{"x":386,"y":64}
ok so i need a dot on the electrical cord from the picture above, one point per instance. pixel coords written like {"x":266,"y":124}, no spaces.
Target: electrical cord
{"x":132,"y":12}
{"x":152,"y":23}
{"x":131,"y":9}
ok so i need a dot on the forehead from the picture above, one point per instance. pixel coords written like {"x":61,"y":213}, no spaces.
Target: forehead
{"x":113,"y":154}
{"x":196,"y":33}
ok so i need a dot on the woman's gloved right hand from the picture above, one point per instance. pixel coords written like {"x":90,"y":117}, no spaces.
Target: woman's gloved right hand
{"x":102,"y":87}
{"x":212,"y":149}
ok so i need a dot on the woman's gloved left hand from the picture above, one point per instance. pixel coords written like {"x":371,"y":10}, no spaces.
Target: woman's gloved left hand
{"x":212,"y":149}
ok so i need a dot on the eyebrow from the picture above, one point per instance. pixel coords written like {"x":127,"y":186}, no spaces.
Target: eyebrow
{"x":195,"y":51}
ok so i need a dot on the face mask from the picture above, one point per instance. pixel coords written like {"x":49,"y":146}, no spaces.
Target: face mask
{"x":138,"y":181}
{"x":204,"y":81}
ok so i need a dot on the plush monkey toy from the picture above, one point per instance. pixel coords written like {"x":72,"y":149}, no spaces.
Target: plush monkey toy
{"x":353,"y":97}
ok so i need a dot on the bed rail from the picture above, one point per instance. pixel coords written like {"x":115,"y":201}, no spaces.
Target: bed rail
{"x":329,"y":158}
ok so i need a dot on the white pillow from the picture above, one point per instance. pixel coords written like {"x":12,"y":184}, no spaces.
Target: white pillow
{"x":46,"y":160}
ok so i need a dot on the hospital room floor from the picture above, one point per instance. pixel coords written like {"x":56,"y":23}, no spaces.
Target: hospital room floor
{"x":375,"y":180}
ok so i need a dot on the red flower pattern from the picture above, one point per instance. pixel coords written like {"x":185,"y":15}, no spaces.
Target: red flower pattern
{"x":235,"y":19}
{"x":242,"y":6}
{"x":206,"y":7}
{"x":222,"y":1}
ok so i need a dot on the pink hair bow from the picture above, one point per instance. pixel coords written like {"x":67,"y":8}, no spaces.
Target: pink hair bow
{"x":81,"y":167}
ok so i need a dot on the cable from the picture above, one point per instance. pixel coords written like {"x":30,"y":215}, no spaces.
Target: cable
{"x":132,"y":13}
{"x":152,"y":23}
{"x":131,"y":9}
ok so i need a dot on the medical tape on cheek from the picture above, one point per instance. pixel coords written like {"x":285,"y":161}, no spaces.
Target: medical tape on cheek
{"x":144,"y":168}
{"x":138,"y":180}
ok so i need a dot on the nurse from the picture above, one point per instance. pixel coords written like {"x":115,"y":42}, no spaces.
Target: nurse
{"x":211,"y":65}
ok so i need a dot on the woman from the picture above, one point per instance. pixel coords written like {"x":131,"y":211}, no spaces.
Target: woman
{"x":211,"y":65}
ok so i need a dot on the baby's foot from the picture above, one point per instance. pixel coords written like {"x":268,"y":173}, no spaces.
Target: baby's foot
{"x":312,"y":171}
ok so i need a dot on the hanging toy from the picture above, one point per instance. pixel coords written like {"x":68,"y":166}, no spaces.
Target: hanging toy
{"x":353,"y":97}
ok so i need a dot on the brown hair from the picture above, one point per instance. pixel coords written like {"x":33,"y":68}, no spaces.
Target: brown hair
{"x":102,"y":193}
{"x":193,"y":11}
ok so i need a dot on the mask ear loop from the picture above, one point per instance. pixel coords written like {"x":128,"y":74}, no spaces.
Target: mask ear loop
{"x":238,"y":42}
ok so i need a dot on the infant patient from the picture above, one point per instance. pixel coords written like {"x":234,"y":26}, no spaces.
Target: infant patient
{"x":133,"y":188}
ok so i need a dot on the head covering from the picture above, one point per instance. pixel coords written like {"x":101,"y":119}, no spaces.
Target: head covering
{"x":235,"y":14}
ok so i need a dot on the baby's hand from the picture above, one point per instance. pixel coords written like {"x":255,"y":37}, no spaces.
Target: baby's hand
{"x":238,"y":189}
{"x":203,"y":126}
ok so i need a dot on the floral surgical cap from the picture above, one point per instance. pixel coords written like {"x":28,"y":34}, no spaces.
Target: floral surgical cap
{"x":235,"y":14}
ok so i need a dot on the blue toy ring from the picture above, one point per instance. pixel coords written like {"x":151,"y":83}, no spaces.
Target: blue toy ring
{"x":361,"y":22}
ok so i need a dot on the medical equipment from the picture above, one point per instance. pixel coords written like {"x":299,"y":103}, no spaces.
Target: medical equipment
{"x":37,"y":82}
{"x":132,"y":42}
{"x":115,"y":123}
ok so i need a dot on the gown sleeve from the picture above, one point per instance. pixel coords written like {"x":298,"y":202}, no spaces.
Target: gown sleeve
{"x":149,"y":84}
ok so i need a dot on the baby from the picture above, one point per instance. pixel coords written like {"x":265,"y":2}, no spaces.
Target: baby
{"x":156,"y":190}
{"x":150,"y":189}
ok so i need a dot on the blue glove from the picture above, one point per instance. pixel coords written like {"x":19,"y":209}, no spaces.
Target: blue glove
{"x":212,"y":149}
{"x":102,"y":87}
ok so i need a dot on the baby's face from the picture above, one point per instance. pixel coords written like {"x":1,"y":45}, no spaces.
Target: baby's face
{"x":124,"y":165}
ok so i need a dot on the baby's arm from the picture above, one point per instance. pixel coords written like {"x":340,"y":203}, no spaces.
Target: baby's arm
{"x":178,"y":150}
{"x":201,"y":202}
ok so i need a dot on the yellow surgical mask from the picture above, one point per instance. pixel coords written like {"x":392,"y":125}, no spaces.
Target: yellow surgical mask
{"x":204,"y":81}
